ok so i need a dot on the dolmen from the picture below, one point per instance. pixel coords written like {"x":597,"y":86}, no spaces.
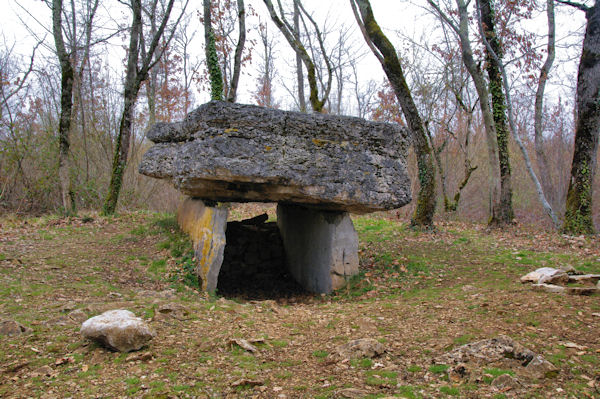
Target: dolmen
{"x":317,"y":167}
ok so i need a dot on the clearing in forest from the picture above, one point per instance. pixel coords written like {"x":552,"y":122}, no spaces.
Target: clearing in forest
{"x":420,"y":295}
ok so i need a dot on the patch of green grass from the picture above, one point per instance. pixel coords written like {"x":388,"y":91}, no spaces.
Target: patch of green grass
{"x":438,"y":368}
{"x":320,"y":354}
{"x":495,"y":372}
{"x":414,"y":369}
{"x":593,"y":359}
{"x":408,"y":392}
{"x":158,"y":267}
{"x":279,"y":343}
{"x":462,"y":340}
{"x":448,"y":390}
{"x":364,"y":363}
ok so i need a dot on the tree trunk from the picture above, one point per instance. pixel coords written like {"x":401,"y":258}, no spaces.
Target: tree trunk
{"x":212,"y":60}
{"x":130,"y":95}
{"x":505,"y":213}
{"x":426,"y":199}
{"x":239,"y":49}
{"x":66,"y":105}
{"x":299,"y":71}
{"x":542,"y":160}
{"x":578,"y":216}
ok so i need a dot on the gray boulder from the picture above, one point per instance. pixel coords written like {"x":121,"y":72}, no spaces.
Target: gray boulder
{"x":240,"y":153}
{"x":118,"y":329}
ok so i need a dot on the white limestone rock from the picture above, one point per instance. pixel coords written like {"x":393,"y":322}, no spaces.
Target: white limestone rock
{"x":118,"y":329}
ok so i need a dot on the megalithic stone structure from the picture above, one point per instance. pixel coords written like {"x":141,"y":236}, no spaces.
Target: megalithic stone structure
{"x":317,"y":167}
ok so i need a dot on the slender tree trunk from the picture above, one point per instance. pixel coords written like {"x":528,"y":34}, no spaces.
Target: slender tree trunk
{"x":212,"y":60}
{"x":129,"y":96}
{"x":299,"y":71}
{"x":426,"y":199}
{"x":542,"y":160}
{"x":66,"y":105}
{"x":462,"y":30}
{"x":578,"y":216}
{"x":239,"y":49}
{"x":505,"y":213}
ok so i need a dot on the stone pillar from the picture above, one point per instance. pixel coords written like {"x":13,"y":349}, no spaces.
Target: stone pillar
{"x":321,"y":247}
{"x":206,"y":226}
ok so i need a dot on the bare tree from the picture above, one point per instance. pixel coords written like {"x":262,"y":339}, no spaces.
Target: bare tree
{"x":137,"y":72}
{"x":239,"y":49}
{"x":462,"y":31}
{"x":388,"y":57}
{"x":317,"y":100}
{"x":578,"y":215}
{"x":542,"y":160}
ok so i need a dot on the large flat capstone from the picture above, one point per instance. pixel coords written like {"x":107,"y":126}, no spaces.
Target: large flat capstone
{"x":241,"y":153}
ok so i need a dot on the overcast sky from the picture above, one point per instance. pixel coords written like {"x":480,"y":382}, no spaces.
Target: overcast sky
{"x":399,"y":19}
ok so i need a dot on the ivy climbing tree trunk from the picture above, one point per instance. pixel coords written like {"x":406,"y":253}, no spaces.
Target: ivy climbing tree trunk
{"x":505,"y":214}
{"x":388,"y":57}
{"x":210,"y":51}
{"x":578,"y":216}
{"x":137,"y":72}
{"x":66,"y":106}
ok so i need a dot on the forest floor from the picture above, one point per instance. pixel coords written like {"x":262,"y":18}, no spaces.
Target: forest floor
{"x":420,"y":294}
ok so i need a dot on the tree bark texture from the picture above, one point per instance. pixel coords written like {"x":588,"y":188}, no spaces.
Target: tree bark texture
{"x":505,"y":213}
{"x":426,"y":199}
{"x":210,"y":50}
{"x":578,"y":216}
{"x":66,"y":105}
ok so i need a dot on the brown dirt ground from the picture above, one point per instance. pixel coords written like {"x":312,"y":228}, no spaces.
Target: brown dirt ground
{"x":419,"y":294}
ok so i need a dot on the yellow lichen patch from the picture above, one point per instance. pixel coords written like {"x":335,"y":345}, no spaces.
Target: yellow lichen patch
{"x":268,"y":148}
{"x":322,"y":142}
{"x":230,"y":130}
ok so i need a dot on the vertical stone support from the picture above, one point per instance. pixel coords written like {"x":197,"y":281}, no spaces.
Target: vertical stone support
{"x":206,"y":226}
{"x":321,"y":247}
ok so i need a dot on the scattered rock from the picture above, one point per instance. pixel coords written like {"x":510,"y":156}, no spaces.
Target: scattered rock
{"x":585,"y":279}
{"x":244,"y":344}
{"x":506,"y":382}
{"x":115,"y":295}
{"x":554,"y":289}
{"x":557,"y":278}
{"x":541,"y":273}
{"x":364,"y":347}
{"x":458,"y":372}
{"x":44,"y":371}
{"x":11,"y":327}
{"x":118,"y":329}
{"x":540,"y":368}
{"x":488,"y":351}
